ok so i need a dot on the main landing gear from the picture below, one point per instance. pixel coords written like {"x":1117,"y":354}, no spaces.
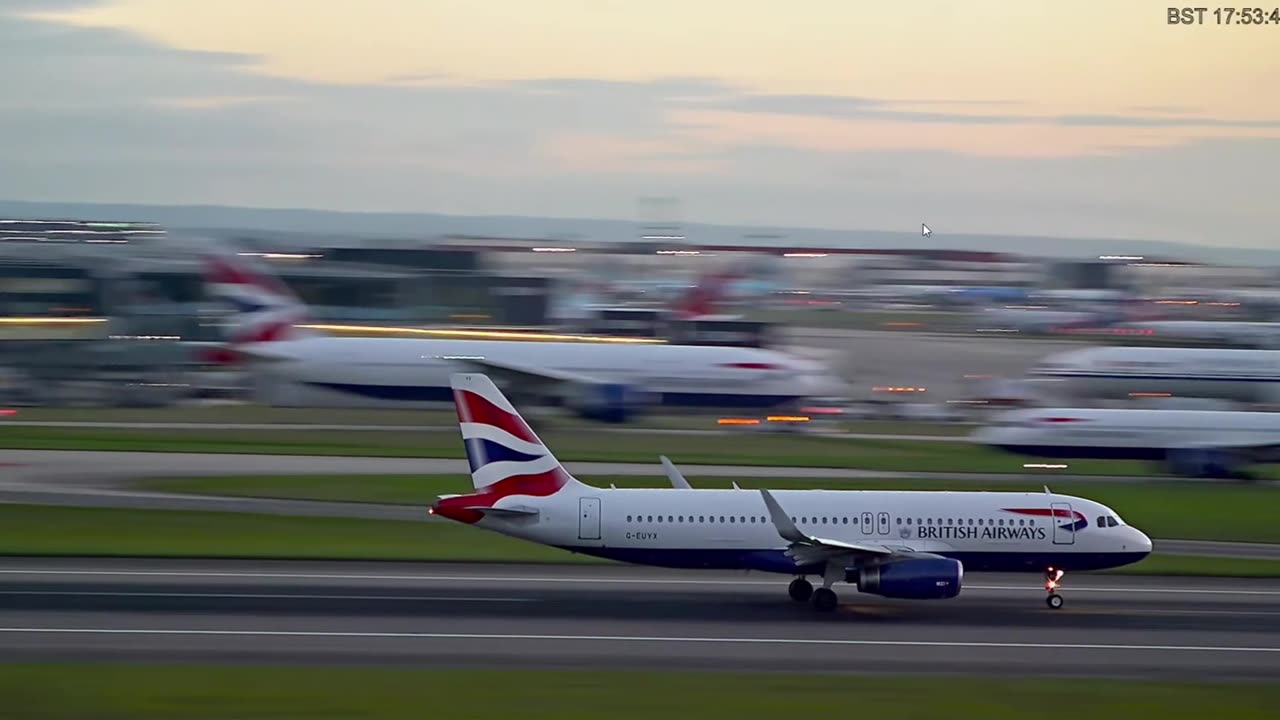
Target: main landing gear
{"x":824,"y":598}
{"x":1052,"y":578}
{"x":800,"y":589}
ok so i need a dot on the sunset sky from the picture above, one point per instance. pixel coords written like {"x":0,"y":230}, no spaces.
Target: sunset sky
{"x":1087,"y":118}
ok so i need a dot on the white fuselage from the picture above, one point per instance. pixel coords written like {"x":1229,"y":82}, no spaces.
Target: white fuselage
{"x":986,"y":531}
{"x":1120,"y":372}
{"x":1129,"y":434}
{"x":404,"y":372}
{"x":1255,"y":334}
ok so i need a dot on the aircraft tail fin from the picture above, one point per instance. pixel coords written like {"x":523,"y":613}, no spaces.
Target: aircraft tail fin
{"x":264,"y":309}
{"x":505,"y":455}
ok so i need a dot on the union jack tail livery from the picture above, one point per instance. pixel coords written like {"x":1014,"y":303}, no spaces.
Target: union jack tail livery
{"x":265,"y":309}
{"x":506,"y":457}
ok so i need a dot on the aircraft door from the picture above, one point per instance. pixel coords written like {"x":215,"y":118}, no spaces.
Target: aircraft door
{"x":589,"y":518}
{"x":868,"y":524}
{"x":1064,"y":524}
{"x":882,"y":523}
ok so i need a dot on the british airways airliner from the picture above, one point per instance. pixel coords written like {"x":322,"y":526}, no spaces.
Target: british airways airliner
{"x":294,"y":365}
{"x":913,"y":545}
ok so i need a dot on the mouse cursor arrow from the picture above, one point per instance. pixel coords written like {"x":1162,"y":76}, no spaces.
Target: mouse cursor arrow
{"x":925,"y":231}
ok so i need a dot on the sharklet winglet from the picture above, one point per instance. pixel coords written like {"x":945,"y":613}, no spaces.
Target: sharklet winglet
{"x":674,"y":474}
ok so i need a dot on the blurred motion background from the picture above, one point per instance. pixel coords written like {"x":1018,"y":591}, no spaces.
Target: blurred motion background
{"x":115,"y":313}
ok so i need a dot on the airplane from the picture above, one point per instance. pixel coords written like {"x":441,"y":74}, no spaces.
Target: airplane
{"x":1040,"y":319}
{"x":1193,"y":443}
{"x":1248,"y":376}
{"x":1262,"y":335}
{"x":293,"y":365}
{"x":895,"y":544}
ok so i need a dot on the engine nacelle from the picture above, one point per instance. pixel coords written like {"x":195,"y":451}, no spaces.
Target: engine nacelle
{"x":922,"y":579}
{"x":1203,"y":462}
{"x":606,"y":402}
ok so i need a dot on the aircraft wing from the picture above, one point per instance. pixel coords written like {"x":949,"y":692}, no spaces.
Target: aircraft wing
{"x":503,"y":511}
{"x":511,"y":511}
{"x":527,"y":375}
{"x":808,"y":550}
{"x":521,"y":371}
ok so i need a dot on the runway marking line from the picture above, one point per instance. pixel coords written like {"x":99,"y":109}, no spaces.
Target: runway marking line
{"x":265,"y":596}
{"x":1031,"y":587}
{"x":638,"y":639}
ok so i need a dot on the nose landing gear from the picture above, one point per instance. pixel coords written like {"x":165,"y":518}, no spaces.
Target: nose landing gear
{"x":1052,"y":581}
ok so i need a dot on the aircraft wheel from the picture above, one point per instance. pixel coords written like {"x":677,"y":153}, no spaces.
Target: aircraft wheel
{"x":1054,"y":601}
{"x":824,"y":600}
{"x":800,"y":589}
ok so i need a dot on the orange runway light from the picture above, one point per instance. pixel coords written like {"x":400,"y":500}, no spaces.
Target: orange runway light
{"x":737,"y":421}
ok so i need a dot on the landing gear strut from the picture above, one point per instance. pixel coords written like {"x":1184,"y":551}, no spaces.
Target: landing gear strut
{"x":1052,"y":578}
{"x":800,"y":589}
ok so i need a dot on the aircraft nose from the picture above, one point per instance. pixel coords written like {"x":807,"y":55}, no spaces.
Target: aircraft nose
{"x":1141,"y":543}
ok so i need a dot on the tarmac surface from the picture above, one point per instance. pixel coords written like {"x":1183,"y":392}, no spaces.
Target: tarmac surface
{"x":944,"y":363}
{"x":549,"y":616}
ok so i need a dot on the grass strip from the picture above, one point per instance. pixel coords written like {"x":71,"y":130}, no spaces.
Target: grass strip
{"x":43,"y":530}
{"x":218,"y":692}
{"x":433,"y":417}
{"x":747,"y":448}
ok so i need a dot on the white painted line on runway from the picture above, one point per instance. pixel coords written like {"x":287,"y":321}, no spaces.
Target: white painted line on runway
{"x":638,"y":639}
{"x":1030,"y":587}
{"x":265,"y":596}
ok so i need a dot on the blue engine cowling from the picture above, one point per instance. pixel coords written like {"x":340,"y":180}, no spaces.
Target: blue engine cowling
{"x":923,"y":579}
{"x":607,"y":402}
{"x":1202,"y":462}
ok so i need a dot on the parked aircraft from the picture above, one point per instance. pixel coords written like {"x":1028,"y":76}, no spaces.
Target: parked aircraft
{"x":1249,"y":376}
{"x":609,"y":379}
{"x":1194,"y":443}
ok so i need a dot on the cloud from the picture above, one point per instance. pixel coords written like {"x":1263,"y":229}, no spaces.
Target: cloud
{"x":103,"y":115}
{"x":834,"y":106}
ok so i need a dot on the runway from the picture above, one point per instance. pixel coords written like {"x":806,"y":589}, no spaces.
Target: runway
{"x":624,"y":617}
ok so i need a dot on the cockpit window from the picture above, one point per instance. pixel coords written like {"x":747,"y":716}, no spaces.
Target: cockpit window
{"x":1112,"y":521}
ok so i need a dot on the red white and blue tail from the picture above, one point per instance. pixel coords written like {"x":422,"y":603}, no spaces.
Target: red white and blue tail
{"x":264,"y":308}
{"x":505,"y":455}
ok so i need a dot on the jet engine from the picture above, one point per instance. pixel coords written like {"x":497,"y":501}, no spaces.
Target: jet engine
{"x":920,"y":579}
{"x":1204,"y":462}
{"x":606,"y":402}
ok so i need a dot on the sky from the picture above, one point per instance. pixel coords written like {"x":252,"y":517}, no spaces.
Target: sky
{"x":1090,"y":118}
